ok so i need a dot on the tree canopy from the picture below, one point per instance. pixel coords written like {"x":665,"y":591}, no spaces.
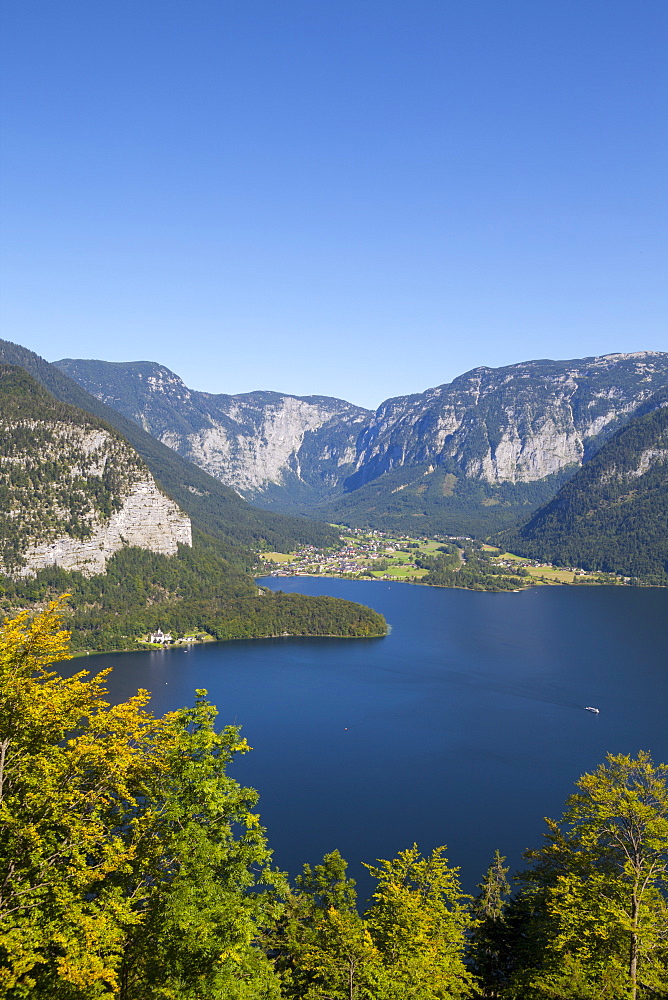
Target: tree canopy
{"x":125,"y":847}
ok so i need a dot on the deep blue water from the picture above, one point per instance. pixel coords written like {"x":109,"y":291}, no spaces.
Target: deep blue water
{"x":465,"y":726}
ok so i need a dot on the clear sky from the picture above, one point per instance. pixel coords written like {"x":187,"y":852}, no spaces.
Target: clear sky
{"x":356,"y":198}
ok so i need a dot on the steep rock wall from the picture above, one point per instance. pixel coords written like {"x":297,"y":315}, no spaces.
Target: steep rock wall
{"x":518,"y":425}
{"x":147,"y":519}
{"x":72,"y":490}
{"x":247,"y":441}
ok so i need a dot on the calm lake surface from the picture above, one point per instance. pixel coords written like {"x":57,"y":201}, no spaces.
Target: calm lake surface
{"x":465,"y":726}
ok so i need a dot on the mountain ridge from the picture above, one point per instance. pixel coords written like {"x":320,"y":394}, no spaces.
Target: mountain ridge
{"x":73,"y":491}
{"x":510,"y":436}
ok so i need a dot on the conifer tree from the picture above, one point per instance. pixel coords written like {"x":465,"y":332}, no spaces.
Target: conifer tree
{"x":488,"y":945}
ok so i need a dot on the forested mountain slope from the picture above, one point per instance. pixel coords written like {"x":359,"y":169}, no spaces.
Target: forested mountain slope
{"x":72,"y":490}
{"x":213,"y":507}
{"x":470,"y":456}
{"x":613,"y":514}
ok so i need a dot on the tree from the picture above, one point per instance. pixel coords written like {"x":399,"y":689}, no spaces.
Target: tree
{"x":418,"y":921}
{"x":58,"y":789}
{"x":602,"y":879}
{"x":339,"y":958}
{"x":488,"y":945}
{"x":410,"y":943}
{"x":328,"y":884}
{"x":126,"y":852}
{"x":197,"y":879}
{"x":321,"y":946}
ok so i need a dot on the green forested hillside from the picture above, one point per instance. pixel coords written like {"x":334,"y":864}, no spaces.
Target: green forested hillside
{"x":206,"y":588}
{"x":421,"y":500}
{"x":213,"y":507}
{"x":613,"y":515}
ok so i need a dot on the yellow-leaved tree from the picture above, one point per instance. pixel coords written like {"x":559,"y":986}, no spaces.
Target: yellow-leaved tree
{"x":126,"y":851}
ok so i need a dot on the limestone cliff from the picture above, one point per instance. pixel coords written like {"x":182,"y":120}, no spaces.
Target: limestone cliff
{"x":250,"y":441}
{"x":518,"y":424}
{"x":515,"y":425}
{"x":73,"y":491}
{"x":147,"y":519}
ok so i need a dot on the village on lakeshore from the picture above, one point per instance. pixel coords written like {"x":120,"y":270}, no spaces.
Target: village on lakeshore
{"x":378,"y":555}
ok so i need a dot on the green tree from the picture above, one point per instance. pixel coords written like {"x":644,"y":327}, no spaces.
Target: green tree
{"x":126,"y":851}
{"x":488,"y":945}
{"x":198,"y":878}
{"x":328,"y":884}
{"x":321,"y":946}
{"x":418,"y":921}
{"x":601,"y":881}
{"x":339,"y":958}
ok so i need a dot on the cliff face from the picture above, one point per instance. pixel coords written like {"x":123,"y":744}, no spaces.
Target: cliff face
{"x":261,"y":439}
{"x":249,"y":441}
{"x":147,"y":519}
{"x":518,"y":424}
{"x":215,"y":508}
{"x":73,"y":491}
{"x":514,"y":425}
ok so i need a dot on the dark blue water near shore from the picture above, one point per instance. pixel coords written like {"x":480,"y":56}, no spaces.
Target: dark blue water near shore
{"x":464,"y":726}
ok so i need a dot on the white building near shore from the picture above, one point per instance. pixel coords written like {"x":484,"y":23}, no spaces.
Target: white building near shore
{"x":160,"y":637}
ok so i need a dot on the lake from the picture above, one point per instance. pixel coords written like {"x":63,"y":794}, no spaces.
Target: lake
{"x":465,"y":726}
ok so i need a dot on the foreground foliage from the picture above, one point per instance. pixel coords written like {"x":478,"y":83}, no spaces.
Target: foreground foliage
{"x":599,"y":888}
{"x":410,"y":941}
{"x":133,"y":866}
{"x":125,"y":846}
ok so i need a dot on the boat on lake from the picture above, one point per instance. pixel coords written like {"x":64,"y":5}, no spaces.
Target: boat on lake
{"x":589,"y":708}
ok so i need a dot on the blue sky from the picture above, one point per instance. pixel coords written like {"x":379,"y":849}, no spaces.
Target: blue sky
{"x":358,"y":199}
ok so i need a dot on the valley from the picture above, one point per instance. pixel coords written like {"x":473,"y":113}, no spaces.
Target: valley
{"x":377,"y":555}
{"x":179,"y":555}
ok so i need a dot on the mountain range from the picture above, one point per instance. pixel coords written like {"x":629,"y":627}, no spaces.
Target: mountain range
{"x":213,"y":507}
{"x":472,"y":456}
{"x":561,"y":460}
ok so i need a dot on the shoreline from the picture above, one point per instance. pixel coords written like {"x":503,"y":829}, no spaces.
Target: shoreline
{"x":84,"y":654}
{"x":442,"y":586}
